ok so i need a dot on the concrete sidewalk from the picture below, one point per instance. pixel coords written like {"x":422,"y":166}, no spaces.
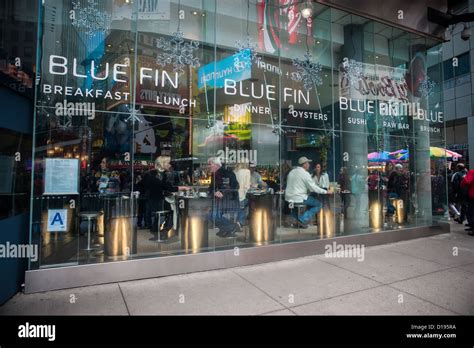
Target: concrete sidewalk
{"x":417,"y":277}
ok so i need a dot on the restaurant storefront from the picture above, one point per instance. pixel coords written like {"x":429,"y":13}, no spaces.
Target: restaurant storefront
{"x":250,"y":87}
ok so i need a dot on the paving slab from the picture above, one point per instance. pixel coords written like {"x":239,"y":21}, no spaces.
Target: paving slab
{"x":207,"y":293}
{"x":304,"y":280}
{"x":281,"y":312}
{"x":382,"y":300}
{"x":92,"y":300}
{"x":385,"y":266}
{"x":469,"y":268}
{"x":456,"y":237}
{"x":436,"y":250}
{"x":451,"y":289}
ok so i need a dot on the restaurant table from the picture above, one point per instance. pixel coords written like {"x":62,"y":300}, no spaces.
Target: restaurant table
{"x":194,"y":218}
{"x":262,"y":219}
{"x":120,"y":237}
{"x":376,"y":200}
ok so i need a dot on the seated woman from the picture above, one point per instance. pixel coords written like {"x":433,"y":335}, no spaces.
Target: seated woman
{"x":158,"y":186}
{"x":321,"y":179}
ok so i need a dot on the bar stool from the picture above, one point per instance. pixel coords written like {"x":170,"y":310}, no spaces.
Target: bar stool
{"x":300,"y":210}
{"x":89,"y":215}
{"x":158,"y":215}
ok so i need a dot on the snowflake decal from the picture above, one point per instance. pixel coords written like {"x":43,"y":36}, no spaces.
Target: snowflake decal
{"x":278,"y":129}
{"x":332,"y":133}
{"x":90,"y":18}
{"x":426,"y":87}
{"x":178,"y":52}
{"x":353,"y":70}
{"x":307,"y":71}
{"x":64,"y":121}
{"x":246,"y":55}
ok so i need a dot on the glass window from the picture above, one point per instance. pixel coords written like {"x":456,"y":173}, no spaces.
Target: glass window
{"x":202,"y":126}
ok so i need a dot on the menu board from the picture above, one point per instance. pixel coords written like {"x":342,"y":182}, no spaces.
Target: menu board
{"x":61,"y":176}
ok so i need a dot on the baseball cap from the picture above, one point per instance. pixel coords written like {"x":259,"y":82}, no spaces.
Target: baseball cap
{"x":303,"y":159}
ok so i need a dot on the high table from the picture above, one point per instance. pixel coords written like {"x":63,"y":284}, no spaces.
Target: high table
{"x":194,"y":213}
{"x":120,"y":234}
{"x":261,"y":216}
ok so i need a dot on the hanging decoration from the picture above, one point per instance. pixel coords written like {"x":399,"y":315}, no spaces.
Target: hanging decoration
{"x":64,"y":121}
{"x":246,"y":54}
{"x":246,"y":50}
{"x":89,"y":18}
{"x":178,"y":52}
{"x":352,"y":71}
{"x":307,"y":71}
{"x":426,"y":87}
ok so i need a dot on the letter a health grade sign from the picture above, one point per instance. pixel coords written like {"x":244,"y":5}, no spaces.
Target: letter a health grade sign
{"x":57,"y":220}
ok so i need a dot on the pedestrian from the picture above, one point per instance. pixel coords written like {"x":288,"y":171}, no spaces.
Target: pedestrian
{"x":468,"y":183}
{"x":459,"y":193}
{"x":453,"y":210}
{"x":398,"y":187}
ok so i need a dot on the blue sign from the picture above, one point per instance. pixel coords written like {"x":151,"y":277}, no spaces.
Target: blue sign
{"x":237,"y":67}
{"x":57,"y":220}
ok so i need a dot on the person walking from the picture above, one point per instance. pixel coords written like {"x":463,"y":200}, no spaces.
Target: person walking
{"x":468,"y":184}
{"x":398,"y":187}
{"x":459,"y":193}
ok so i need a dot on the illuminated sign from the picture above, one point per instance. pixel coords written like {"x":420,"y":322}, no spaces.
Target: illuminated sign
{"x":235,"y":67}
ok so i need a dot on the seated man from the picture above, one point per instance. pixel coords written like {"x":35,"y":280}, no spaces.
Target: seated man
{"x":225,"y":189}
{"x":256,"y":180}
{"x":299,"y":182}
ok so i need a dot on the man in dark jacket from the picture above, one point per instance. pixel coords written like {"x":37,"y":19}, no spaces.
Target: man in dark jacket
{"x":458,"y":192}
{"x":398,"y":187}
{"x":225,"y":189}
{"x":468,"y":184}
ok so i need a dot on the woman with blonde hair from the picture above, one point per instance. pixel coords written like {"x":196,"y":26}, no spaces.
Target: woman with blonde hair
{"x":157,"y":187}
